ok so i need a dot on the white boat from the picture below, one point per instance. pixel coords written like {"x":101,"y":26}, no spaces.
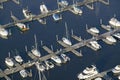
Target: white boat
{"x":64,"y":3}
{"x":56,"y":17}
{"x":114,"y":22}
{"x":23,"y":73}
{"x":43,"y":9}
{"x":98,"y":78}
{"x":66,"y":41}
{"x":27,"y":13}
{"x":65,"y":57}
{"x":117,"y":35}
{"x":88,"y":72}
{"x":40,"y":66}
{"x":116,"y":69}
{"x":22,"y":27}
{"x":95,"y":44}
{"x":107,"y":27}
{"x":36,"y":52}
{"x":111,"y":39}
{"x":42,"y":21}
{"x":9,"y":62}
{"x":49,"y":64}
{"x":56,"y":59}
{"x":18,"y":58}
{"x":3,"y":33}
{"x":77,"y":10}
{"x":119,"y":77}
{"x":94,"y":30}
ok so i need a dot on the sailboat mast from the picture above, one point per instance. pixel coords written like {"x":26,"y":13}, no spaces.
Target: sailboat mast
{"x":67,"y":35}
{"x":39,"y":75}
{"x":35,"y":41}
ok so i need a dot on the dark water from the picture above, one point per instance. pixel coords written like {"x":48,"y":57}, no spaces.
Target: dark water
{"x":104,"y":59}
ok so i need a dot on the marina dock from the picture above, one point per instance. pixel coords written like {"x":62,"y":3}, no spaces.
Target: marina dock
{"x":81,"y":43}
{"x":3,"y":1}
{"x":59,"y":10}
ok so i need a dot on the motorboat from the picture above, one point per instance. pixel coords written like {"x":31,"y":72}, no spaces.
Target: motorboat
{"x":65,"y":57}
{"x":56,"y":59}
{"x":98,"y":78}
{"x":114,"y":22}
{"x":18,"y":58}
{"x":40,"y":66}
{"x":22,"y":26}
{"x":95,"y":44}
{"x":49,"y":64}
{"x":43,"y":9}
{"x":23,"y":73}
{"x":56,"y":17}
{"x":111,"y":39}
{"x":117,"y":35}
{"x":9,"y":62}
{"x":94,"y":30}
{"x":4,"y":33}
{"x":66,"y":41}
{"x":116,"y":69}
{"x":27,"y":13}
{"x":36,"y":52}
{"x":88,"y":72}
{"x":64,"y":3}
{"x":77,"y":10}
{"x":42,"y":21}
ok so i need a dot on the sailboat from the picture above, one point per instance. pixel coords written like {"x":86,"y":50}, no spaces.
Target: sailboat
{"x":65,"y":39}
{"x":9,"y":62}
{"x":18,"y":58}
{"x":35,"y":50}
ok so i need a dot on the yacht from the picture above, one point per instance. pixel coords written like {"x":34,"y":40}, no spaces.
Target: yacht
{"x":56,"y":17}
{"x":9,"y":62}
{"x":88,"y":72}
{"x":111,"y":39}
{"x":40,"y":66}
{"x":56,"y":59}
{"x":95,"y":44}
{"x":77,"y":10}
{"x":117,"y":35}
{"x":64,"y":3}
{"x":22,"y":27}
{"x":66,"y":41}
{"x":49,"y":64}
{"x":36,"y":52}
{"x":116,"y":69}
{"x":27,"y":13}
{"x":23,"y":73}
{"x":94,"y":30}
{"x":65,"y":57}
{"x":18,"y":58}
{"x":114,"y":22}
{"x":43,"y":9}
{"x":4,"y":33}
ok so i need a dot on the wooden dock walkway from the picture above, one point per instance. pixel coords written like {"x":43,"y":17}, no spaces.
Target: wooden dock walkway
{"x":59,"y":10}
{"x":65,"y":50}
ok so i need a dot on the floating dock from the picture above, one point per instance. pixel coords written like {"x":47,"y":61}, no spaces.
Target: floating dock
{"x":3,"y":1}
{"x":67,"y":48}
{"x":59,"y":10}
